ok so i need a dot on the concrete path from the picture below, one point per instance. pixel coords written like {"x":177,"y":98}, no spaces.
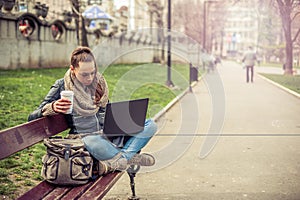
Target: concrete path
{"x":252,"y":151}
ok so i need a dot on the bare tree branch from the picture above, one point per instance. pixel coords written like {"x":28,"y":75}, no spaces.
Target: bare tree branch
{"x":297,"y":34}
{"x":298,"y":13}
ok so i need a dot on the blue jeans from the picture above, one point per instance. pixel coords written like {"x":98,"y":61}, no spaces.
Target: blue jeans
{"x":103,"y":149}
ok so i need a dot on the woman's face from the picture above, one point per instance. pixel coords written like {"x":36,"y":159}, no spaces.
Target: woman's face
{"x":85,"y":73}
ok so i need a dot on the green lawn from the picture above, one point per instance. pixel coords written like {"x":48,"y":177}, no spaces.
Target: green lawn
{"x":22,"y":91}
{"x":288,"y":81}
{"x":279,"y":65}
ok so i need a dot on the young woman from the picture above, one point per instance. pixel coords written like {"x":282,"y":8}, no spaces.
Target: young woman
{"x":86,"y":120}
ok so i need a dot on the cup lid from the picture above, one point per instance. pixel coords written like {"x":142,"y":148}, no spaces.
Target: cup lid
{"x":67,"y":92}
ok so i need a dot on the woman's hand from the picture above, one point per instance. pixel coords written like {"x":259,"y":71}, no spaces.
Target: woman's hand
{"x":61,"y":105}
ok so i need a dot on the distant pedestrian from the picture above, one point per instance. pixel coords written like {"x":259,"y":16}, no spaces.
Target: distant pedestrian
{"x":283,"y":67}
{"x":211,"y":63}
{"x":249,"y":61}
{"x":218,"y":60}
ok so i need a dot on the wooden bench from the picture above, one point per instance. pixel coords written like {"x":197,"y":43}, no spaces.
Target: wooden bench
{"x":25,"y":135}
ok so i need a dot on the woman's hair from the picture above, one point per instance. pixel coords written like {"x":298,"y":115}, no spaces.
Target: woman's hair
{"x":84,"y":54}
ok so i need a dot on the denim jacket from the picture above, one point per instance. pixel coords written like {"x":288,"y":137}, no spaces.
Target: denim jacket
{"x":77,"y":123}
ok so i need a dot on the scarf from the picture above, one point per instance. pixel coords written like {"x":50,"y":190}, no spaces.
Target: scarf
{"x":87,"y":99}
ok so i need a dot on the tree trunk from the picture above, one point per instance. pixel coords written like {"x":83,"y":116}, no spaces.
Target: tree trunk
{"x":80,"y":26}
{"x":82,"y":32}
{"x":288,"y":49}
{"x":285,"y":9}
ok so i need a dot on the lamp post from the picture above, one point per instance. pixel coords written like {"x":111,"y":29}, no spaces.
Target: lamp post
{"x":169,"y":82}
{"x":204,"y":26}
{"x":204,"y":22}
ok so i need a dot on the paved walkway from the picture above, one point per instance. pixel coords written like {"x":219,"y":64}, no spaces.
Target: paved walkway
{"x":252,"y":151}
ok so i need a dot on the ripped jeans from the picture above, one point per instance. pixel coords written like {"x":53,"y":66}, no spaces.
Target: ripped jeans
{"x":103,"y":149}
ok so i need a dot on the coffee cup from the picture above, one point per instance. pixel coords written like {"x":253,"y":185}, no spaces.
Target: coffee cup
{"x":68,"y":94}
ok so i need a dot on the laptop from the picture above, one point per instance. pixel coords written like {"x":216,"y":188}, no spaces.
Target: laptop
{"x":125,"y":117}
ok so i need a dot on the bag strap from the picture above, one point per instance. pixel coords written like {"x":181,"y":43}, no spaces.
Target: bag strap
{"x":86,"y":167}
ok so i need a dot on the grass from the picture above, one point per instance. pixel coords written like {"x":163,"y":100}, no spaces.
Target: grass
{"x":288,"y":81}
{"x":279,"y":65}
{"x":22,"y":90}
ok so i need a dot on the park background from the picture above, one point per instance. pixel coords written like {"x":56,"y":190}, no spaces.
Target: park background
{"x":37,"y":38}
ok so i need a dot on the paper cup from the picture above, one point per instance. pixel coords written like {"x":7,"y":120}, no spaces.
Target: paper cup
{"x":68,"y":94}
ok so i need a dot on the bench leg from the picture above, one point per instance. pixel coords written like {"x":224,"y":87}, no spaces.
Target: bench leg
{"x":132,"y":170}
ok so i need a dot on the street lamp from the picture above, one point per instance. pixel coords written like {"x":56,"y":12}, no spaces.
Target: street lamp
{"x":169,"y":82}
{"x":204,"y":22}
{"x":204,"y":25}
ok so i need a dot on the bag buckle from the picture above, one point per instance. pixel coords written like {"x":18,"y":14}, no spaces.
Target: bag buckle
{"x":67,"y":152}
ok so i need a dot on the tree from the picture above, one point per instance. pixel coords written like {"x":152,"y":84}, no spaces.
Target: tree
{"x":80,"y":25}
{"x":188,"y":18}
{"x":288,"y":13}
{"x":189,"y":15}
{"x":270,"y":35}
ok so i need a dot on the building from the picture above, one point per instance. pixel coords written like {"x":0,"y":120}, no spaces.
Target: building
{"x":241,"y":28}
{"x":62,"y":10}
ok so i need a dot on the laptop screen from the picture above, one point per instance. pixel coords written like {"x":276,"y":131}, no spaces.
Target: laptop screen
{"x":125,"y":117}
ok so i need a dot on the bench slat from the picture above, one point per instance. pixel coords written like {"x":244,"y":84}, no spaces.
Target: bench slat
{"x":41,"y":190}
{"x":93,"y":190}
{"x":101,"y":186}
{"x":57,"y":193}
{"x":20,"y":137}
{"x":47,"y":190}
{"x":77,"y":191}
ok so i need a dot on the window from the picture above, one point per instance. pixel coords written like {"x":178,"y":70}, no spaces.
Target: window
{"x":26,"y":27}
{"x":57,"y":31}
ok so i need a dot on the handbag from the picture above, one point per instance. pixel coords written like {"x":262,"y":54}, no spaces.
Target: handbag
{"x":66,"y":162}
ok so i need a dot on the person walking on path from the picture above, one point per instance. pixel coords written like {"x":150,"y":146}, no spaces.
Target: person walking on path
{"x":249,"y":61}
